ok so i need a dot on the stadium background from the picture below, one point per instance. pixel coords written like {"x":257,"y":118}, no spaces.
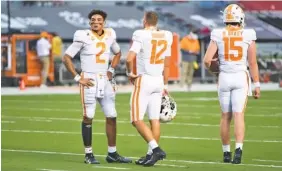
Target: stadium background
{"x":42,"y":132}
{"x":65,"y":17}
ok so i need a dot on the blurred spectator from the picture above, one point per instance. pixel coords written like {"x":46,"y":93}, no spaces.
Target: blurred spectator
{"x":43,"y":52}
{"x":4,"y":55}
{"x":57,"y":45}
{"x":190,"y":48}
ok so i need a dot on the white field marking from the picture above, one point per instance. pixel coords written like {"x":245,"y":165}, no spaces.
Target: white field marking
{"x":50,"y":170}
{"x":126,"y":121}
{"x":8,"y":122}
{"x":40,"y":120}
{"x":218,"y":114}
{"x":115,"y":168}
{"x":134,"y":135}
{"x":213,"y":99}
{"x":176,"y":161}
{"x":275,"y":161}
{"x":127,"y":104}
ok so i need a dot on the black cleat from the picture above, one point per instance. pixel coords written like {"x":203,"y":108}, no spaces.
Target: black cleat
{"x":116,"y":158}
{"x":227,"y":157}
{"x":158,"y":154}
{"x":90,"y":159}
{"x":143,"y":159}
{"x":237,"y":156}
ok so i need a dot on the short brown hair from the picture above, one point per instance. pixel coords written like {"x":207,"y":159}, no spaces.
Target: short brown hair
{"x":99,"y":12}
{"x":151,"y":18}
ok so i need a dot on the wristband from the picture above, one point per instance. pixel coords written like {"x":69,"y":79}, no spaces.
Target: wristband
{"x":129,"y":74}
{"x":77,"y":77}
{"x":257,"y":84}
{"x":111,"y":69}
{"x":166,"y":86}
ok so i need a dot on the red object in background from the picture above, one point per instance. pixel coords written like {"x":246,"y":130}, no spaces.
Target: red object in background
{"x":22,"y":84}
{"x":262,"y":5}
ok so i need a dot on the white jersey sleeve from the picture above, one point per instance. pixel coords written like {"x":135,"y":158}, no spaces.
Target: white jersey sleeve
{"x":216,"y":35}
{"x":115,"y":48}
{"x":77,"y":44}
{"x":250,"y":35}
{"x":137,"y":42}
{"x":169,"y":43}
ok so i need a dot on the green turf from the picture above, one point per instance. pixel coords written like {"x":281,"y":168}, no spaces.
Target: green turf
{"x":43,"y":132}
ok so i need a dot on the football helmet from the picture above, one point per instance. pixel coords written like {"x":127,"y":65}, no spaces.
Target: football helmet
{"x":168,"y":109}
{"x":233,"y":13}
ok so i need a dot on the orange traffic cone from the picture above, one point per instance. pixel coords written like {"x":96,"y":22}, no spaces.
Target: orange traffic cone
{"x":22,"y":84}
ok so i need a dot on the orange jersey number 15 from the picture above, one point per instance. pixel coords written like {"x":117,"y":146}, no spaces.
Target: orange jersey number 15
{"x":155,"y":56}
{"x":229,"y":44}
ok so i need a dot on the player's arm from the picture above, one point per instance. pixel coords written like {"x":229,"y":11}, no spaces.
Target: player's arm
{"x":117,"y":54}
{"x":72,"y":50}
{"x":252,"y":60}
{"x":131,"y":56}
{"x":211,"y":51}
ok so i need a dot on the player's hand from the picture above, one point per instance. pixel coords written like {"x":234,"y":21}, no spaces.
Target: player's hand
{"x":257,"y":93}
{"x":110,"y":75}
{"x":87,"y":82}
{"x":132,"y":77}
{"x":165,"y":92}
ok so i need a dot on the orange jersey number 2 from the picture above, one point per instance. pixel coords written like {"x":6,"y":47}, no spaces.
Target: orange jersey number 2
{"x":229,"y":44}
{"x":101,"y":45}
{"x":156,"y":55}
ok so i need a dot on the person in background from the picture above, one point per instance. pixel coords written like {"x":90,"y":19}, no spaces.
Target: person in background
{"x":43,"y":52}
{"x":190,"y":48}
{"x":57,"y":46}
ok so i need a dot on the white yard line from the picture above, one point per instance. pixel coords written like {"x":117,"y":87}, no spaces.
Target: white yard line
{"x":114,"y":168}
{"x":135,"y":135}
{"x":126,"y":121}
{"x":177,"y":161}
{"x":8,"y":122}
{"x":179,"y":113}
{"x":275,"y":161}
{"x":51,"y":170}
{"x":127,"y":104}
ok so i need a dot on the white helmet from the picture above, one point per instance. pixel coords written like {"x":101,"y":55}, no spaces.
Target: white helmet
{"x":168,"y":109}
{"x":233,"y":13}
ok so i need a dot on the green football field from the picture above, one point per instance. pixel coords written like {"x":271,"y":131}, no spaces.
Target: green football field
{"x":43,"y":133}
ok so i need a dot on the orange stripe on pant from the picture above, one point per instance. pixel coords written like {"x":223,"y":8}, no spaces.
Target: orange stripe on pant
{"x":82,"y":96}
{"x":135,"y":100}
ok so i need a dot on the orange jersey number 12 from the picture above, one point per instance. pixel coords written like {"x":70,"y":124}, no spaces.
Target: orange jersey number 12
{"x":156,"y":55}
{"x":229,"y":44}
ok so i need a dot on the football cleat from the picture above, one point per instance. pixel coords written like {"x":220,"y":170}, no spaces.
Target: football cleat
{"x":116,"y":158}
{"x":227,"y":157}
{"x":237,"y":156}
{"x":90,"y":159}
{"x":143,"y":159}
{"x":157,"y":155}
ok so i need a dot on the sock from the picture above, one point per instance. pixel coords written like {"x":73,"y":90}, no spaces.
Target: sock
{"x":153,"y":144}
{"x":88,"y":150}
{"x":226,"y":148}
{"x":112,"y":149}
{"x":86,"y":134}
{"x":150,"y":151}
{"x":239,"y":145}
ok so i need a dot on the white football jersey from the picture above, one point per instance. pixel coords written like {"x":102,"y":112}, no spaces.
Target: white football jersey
{"x":95,"y":50}
{"x":151,"y":47}
{"x":233,"y":47}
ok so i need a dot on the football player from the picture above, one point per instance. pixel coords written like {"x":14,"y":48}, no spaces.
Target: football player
{"x":95,"y":46}
{"x":148,"y":69}
{"x":236,"y":47}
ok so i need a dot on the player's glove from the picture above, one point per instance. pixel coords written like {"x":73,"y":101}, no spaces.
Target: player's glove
{"x":114,"y":83}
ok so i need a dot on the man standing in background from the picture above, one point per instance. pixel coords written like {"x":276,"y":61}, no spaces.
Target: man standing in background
{"x":43,"y":52}
{"x":190,"y":48}
{"x":57,"y":46}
